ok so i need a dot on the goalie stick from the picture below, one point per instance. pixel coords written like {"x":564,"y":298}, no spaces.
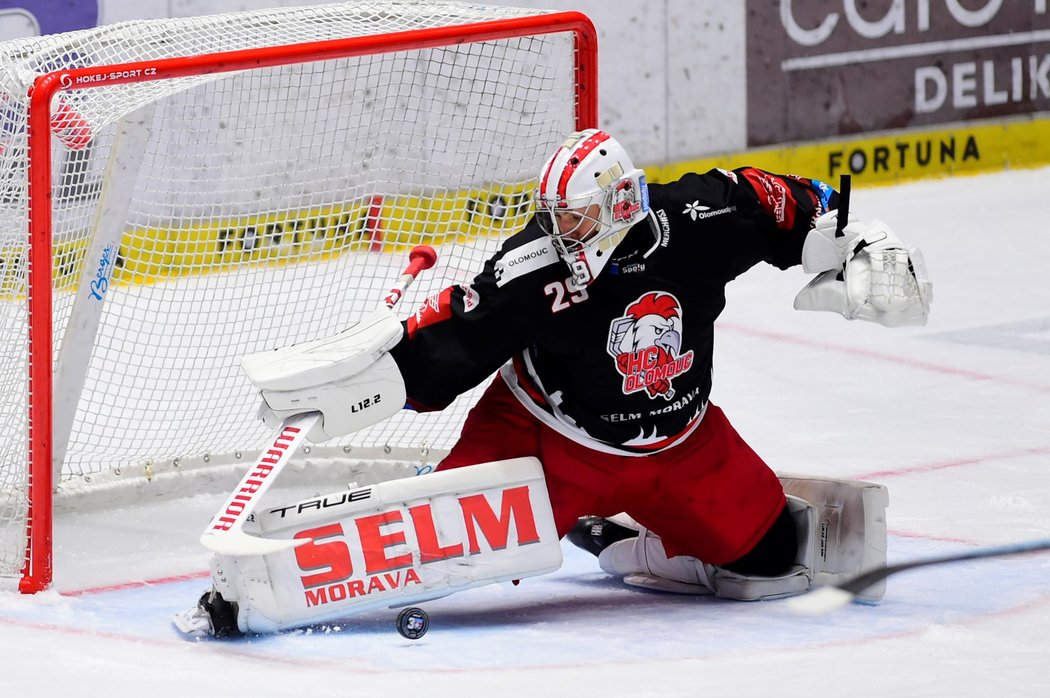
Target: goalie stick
{"x":225,"y":534}
{"x":830,"y":598}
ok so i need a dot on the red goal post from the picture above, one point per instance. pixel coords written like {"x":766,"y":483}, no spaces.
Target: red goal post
{"x":52,"y":123}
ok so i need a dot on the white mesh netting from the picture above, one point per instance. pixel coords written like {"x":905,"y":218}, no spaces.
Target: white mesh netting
{"x":266,"y":207}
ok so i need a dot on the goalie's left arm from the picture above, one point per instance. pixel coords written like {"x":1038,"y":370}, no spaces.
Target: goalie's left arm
{"x":864,"y":271}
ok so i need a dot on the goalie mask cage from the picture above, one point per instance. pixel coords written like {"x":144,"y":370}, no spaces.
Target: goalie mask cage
{"x":178,"y":193}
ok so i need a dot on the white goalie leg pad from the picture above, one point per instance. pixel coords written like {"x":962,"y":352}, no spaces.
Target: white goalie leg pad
{"x":348,"y":377}
{"x":849,"y":529}
{"x":841,"y":528}
{"x":393,"y":544}
{"x":643,"y":562}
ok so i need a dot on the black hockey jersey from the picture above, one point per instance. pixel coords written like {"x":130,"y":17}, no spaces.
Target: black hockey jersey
{"x":623,"y":365}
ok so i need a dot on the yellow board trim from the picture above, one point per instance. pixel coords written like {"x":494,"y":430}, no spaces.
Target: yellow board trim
{"x":373,"y":224}
{"x":893,"y":157}
{"x":377,"y":223}
{"x":151,"y":254}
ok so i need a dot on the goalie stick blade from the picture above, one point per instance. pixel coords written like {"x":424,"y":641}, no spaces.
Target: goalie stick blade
{"x":827,"y":599}
{"x":237,"y":542}
{"x":820,"y":601}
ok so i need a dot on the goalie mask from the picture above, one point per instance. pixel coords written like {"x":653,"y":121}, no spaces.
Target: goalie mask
{"x":589,"y":196}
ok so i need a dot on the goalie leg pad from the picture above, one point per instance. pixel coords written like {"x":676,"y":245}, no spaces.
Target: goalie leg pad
{"x":841,"y":527}
{"x":849,"y":529}
{"x":395,"y":543}
{"x":643,"y":562}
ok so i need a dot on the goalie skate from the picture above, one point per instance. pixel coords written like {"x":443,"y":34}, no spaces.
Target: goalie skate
{"x":213,"y":616}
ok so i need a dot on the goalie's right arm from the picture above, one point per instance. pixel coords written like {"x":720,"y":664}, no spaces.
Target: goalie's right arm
{"x":349,"y":377}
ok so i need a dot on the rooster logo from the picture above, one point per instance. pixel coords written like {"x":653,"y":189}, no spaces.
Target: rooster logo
{"x":647,"y":345}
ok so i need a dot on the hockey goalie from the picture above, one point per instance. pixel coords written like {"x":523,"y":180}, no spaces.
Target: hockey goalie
{"x":597,"y":319}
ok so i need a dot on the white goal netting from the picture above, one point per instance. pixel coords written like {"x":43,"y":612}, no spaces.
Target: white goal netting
{"x":202,"y":218}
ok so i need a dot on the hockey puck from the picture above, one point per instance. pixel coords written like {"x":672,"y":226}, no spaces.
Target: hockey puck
{"x":413,"y":623}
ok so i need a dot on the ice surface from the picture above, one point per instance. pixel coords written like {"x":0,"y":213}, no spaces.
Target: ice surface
{"x":954,"y":418}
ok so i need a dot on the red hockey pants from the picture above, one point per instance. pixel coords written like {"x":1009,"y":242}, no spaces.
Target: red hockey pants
{"x":710,"y":496}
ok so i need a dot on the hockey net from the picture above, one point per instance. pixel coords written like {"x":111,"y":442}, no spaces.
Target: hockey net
{"x":195,"y":190}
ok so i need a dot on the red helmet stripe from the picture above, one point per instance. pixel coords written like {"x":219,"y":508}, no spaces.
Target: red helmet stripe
{"x":576,"y":157}
{"x":547,"y":174}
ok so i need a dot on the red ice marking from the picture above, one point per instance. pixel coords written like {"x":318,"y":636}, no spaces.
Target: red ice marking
{"x":136,"y":585}
{"x":890,"y":358}
{"x":353,"y":666}
{"x":941,"y":539}
{"x":930,"y":467}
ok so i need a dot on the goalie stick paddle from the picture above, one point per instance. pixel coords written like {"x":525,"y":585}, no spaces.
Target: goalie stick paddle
{"x":830,"y":598}
{"x":225,"y":534}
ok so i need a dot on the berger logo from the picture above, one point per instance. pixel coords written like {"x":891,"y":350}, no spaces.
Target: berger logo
{"x":647,"y":345}
{"x":106,"y":263}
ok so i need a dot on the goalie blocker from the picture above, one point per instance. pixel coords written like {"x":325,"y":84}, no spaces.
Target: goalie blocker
{"x":395,"y":543}
{"x":350,"y":378}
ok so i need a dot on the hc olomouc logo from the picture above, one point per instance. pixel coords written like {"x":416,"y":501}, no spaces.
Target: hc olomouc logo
{"x":646,"y":344}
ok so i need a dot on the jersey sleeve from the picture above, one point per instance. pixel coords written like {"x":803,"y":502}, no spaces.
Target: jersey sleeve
{"x":735,"y":219}
{"x":790,"y":205}
{"x":463,"y":334}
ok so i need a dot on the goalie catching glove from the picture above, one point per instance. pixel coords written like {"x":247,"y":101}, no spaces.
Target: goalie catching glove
{"x":350,"y":378}
{"x":866,"y":272}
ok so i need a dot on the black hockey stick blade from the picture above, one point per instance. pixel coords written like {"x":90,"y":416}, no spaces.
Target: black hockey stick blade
{"x":829,"y":598}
